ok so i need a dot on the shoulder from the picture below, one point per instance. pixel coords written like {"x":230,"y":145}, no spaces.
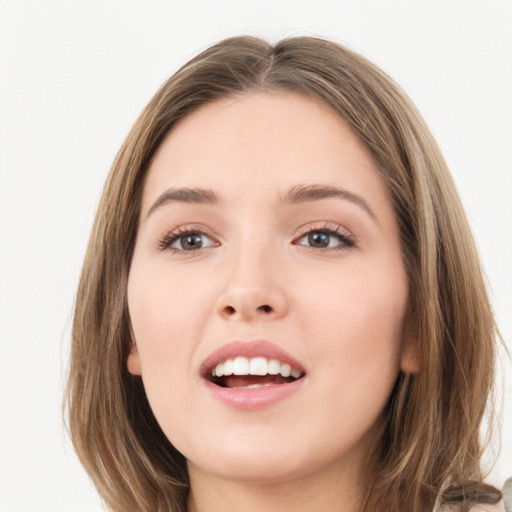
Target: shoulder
{"x":505,"y":505}
{"x":498,"y":507}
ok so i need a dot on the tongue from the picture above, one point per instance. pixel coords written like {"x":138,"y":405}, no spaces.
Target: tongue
{"x":239,"y":381}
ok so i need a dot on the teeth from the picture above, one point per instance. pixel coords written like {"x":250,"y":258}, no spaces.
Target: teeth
{"x":274,"y":367}
{"x":241,"y":366}
{"x":295,"y":373}
{"x":286,"y":370}
{"x":219,"y":370}
{"x":254,"y":366}
{"x":258,"y":366}
{"x":252,"y":386}
{"x":228,"y":367}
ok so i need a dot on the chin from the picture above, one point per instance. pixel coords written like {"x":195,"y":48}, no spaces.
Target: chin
{"x":251,"y":468}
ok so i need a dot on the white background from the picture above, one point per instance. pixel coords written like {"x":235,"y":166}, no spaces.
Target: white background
{"x":74,"y":76}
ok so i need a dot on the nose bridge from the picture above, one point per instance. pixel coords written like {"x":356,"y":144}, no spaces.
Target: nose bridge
{"x":252,"y":287}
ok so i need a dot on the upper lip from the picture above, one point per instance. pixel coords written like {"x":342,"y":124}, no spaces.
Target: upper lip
{"x":249,"y":349}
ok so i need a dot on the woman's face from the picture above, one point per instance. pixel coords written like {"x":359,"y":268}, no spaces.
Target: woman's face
{"x":267,"y":245}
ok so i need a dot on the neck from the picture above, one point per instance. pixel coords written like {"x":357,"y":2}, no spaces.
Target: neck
{"x":329,"y":491}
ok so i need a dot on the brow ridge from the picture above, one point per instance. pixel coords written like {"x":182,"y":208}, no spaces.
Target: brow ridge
{"x":185,"y":195}
{"x":295,"y":195}
{"x":305,"y":193}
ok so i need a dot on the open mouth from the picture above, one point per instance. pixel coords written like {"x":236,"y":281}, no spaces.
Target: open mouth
{"x":249,"y":373}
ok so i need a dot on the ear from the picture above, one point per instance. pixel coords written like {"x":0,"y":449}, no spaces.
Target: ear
{"x":410,"y":361}
{"x":133,"y":361}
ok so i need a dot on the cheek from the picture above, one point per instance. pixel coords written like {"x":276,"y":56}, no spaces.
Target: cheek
{"x":167,"y":312}
{"x":356,"y":327}
{"x":166,"y":309}
{"x":357,"y":320}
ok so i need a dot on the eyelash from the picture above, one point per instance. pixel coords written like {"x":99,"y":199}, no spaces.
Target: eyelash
{"x":333,"y":230}
{"x":170,"y":238}
{"x":346,"y":239}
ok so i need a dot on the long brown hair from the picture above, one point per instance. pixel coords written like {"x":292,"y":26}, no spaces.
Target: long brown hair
{"x":429,"y":446}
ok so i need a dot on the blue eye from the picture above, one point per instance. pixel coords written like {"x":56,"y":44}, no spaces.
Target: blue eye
{"x":326,"y":238}
{"x":186,"y":241}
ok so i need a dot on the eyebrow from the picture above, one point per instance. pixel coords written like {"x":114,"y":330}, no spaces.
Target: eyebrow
{"x":295,"y":195}
{"x":306,"y":193}
{"x":185,"y":195}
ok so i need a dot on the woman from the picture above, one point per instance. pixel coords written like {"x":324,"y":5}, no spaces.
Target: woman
{"x":281,"y":305}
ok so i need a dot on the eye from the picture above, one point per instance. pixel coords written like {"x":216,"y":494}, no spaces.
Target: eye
{"x":327,"y":238}
{"x":186,"y":240}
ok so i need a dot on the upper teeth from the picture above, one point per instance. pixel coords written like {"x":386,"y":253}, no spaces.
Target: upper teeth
{"x":254,"y":366}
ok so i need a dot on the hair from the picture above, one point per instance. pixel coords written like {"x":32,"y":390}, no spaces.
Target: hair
{"x":429,"y":447}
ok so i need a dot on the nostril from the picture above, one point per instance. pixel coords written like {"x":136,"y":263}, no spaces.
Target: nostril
{"x":232,"y":311}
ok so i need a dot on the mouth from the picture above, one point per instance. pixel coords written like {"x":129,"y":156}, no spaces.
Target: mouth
{"x":252,"y":372}
{"x":252,"y":375}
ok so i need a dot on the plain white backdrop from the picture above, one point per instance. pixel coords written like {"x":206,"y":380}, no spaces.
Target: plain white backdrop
{"x":73,"y":78}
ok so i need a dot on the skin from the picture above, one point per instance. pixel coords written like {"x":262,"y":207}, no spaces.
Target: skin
{"x":340,"y":311}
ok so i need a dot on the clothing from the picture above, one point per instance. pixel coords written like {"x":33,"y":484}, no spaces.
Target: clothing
{"x":505,"y":505}
{"x":507,"y":495}
{"x":499,"y":507}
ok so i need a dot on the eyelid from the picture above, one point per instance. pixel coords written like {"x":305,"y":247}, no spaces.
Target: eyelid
{"x":172,"y":235}
{"x":346,"y":237}
{"x":165,"y":241}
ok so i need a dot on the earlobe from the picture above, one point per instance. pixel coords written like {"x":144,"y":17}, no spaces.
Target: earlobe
{"x":133,"y":361}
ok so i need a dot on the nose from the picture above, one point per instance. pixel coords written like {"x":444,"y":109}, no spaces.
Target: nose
{"x":254,"y":288}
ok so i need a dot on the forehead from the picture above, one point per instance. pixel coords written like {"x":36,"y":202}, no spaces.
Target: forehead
{"x":262,"y":143}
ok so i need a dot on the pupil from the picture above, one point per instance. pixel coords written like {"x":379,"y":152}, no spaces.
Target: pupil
{"x":191,"y":242}
{"x":318,"y":239}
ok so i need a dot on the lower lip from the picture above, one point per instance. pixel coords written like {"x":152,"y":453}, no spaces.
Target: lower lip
{"x":254,"y":398}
